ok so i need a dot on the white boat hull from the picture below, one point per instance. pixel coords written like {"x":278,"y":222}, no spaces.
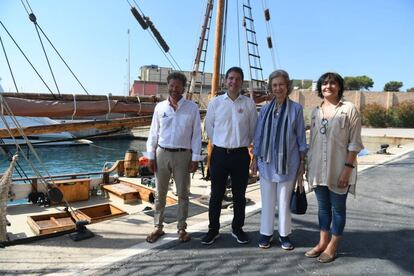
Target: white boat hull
{"x":49,"y":139}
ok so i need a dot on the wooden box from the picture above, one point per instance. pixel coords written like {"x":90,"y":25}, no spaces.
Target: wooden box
{"x":73,"y":189}
{"x":121,"y":191}
{"x":50,"y":223}
{"x":99,"y":213}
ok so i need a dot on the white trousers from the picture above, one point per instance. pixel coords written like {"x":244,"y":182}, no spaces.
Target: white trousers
{"x":273,"y":193}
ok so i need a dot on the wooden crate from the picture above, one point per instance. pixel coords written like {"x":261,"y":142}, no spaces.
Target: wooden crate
{"x":50,"y":223}
{"x":148,"y":194}
{"x":73,"y":189}
{"x":124,"y":192}
{"x":132,"y":192}
{"x":98,"y":213}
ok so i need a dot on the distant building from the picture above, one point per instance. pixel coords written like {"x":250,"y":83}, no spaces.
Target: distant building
{"x":152,"y":80}
{"x":154,"y":73}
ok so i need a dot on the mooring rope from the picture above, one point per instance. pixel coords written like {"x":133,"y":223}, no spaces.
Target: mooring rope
{"x":109,"y":106}
{"x":5,"y":184}
{"x":74,"y":106}
{"x":42,"y":179}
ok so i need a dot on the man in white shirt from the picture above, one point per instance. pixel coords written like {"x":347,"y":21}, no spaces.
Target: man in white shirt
{"x":173,"y":149}
{"x":230,"y":124}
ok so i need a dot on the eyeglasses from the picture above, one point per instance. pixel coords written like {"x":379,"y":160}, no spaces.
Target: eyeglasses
{"x":324,"y":124}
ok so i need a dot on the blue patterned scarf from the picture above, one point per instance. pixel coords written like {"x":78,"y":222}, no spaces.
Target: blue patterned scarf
{"x":280,"y":145}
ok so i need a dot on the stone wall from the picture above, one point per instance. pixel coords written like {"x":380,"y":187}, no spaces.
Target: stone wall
{"x":309,"y":99}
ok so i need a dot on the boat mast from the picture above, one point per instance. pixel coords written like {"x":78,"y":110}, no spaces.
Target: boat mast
{"x":216,"y":63}
{"x":217,"y":48}
{"x":129,"y":65}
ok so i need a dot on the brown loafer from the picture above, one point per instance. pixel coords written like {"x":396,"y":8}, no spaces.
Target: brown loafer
{"x":325,"y":258}
{"x":313,"y":253}
{"x":183,"y":236}
{"x":154,"y":236}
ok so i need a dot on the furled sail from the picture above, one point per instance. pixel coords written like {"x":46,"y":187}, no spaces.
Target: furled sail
{"x":43,"y":105}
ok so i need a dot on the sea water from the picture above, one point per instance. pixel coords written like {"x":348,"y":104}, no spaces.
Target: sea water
{"x":58,"y":160}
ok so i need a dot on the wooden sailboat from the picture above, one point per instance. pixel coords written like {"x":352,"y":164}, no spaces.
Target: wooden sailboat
{"x":88,"y":105}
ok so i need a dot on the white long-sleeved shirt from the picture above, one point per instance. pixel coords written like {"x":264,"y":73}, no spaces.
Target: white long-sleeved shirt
{"x":231,"y":124}
{"x":179,"y":128}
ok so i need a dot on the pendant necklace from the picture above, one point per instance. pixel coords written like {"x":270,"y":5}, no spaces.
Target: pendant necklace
{"x":278,"y":108}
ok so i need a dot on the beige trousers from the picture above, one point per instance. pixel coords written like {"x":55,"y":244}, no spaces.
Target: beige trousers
{"x":175,"y":165}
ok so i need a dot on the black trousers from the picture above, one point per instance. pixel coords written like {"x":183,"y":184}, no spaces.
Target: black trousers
{"x":224,"y":163}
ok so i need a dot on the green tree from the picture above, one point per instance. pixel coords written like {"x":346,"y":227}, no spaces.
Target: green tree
{"x":410,"y":89}
{"x":302,"y":84}
{"x":393,"y":86}
{"x":374,"y":115}
{"x":358,"y":83}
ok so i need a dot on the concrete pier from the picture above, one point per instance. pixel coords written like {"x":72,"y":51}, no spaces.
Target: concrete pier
{"x":378,"y":238}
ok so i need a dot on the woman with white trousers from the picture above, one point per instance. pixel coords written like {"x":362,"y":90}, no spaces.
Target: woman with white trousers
{"x":279,"y":156}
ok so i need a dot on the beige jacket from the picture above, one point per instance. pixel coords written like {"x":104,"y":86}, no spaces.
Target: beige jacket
{"x":327,"y":152}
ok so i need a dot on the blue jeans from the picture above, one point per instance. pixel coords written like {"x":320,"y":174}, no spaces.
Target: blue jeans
{"x":332,"y":209}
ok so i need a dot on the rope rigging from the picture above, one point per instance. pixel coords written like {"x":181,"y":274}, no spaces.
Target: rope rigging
{"x":33,"y":19}
{"x":223,"y":47}
{"x":238,"y":34}
{"x":5,"y":184}
{"x":273,"y":50}
{"x":148,"y":25}
{"x":46,"y":184}
{"x":27,"y":59}
{"x":4,"y":150}
{"x":8,"y":63}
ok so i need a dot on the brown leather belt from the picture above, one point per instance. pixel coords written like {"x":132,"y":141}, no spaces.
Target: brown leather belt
{"x":228,"y":150}
{"x":173,"y":150}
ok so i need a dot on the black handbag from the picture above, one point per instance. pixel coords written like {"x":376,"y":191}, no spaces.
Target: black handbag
{"x":298,"y":201}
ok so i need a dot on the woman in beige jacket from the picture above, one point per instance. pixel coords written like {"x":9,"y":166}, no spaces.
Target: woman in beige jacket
{"x":335,"y":141}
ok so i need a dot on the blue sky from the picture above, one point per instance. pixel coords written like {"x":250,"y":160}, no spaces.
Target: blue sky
{"x":353,"y":37}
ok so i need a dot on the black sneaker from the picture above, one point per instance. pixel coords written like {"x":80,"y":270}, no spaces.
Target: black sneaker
{"x":285,"y":243}
{"x":240,"y":236}
{"x":210,"y":237}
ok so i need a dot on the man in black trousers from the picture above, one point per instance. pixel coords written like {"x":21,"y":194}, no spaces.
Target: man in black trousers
{"x":230,"y":125}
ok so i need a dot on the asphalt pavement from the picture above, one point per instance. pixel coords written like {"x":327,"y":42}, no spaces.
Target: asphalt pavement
{"x":378,"y":238}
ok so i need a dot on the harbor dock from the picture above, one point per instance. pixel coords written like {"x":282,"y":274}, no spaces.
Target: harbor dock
{"x":378,"y":238}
